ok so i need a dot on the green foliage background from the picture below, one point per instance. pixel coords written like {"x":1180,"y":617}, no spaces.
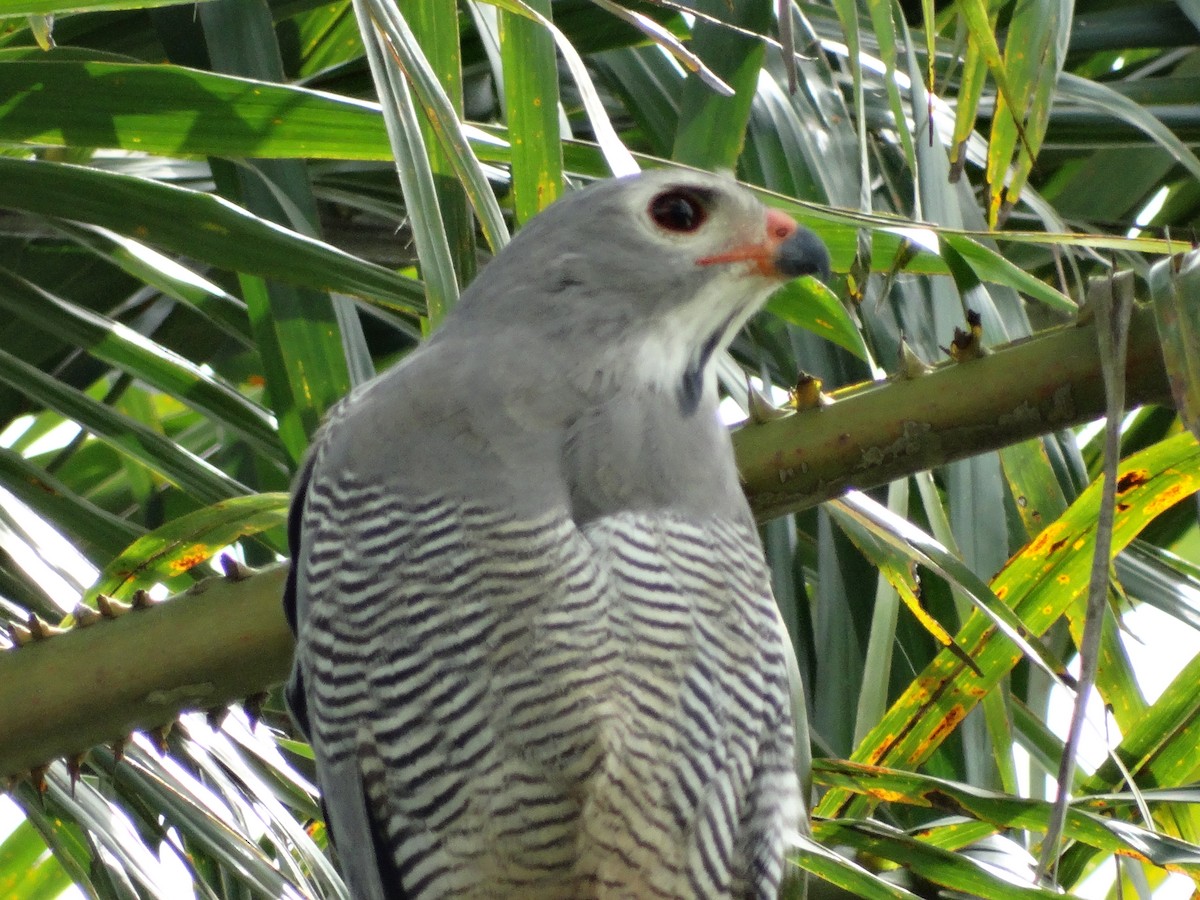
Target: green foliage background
{"x":213,"y":223}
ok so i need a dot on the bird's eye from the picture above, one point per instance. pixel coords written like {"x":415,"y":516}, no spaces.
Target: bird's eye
{"x":678,"y":211}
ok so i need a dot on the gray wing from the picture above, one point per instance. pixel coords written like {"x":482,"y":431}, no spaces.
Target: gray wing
{"x":449,"y":658}
{"x":364,"y":863}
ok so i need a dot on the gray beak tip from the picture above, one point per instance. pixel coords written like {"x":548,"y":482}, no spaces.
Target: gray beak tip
{"x":803,"y":253}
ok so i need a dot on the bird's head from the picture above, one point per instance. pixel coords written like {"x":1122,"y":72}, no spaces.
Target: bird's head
{"x":664,"y":267}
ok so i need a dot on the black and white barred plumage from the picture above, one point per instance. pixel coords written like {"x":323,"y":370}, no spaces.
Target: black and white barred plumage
{"x":537,"y":653}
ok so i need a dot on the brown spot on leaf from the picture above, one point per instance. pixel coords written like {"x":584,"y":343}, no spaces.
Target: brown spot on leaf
{"x":1047,"y":537}
{"x":1181,"y":489}
{"x":941,"y":800}
{"x":882,"y":748}
{"x":189,"y":558}
{"x":949,"y":722}
{"x":1132,"y":479}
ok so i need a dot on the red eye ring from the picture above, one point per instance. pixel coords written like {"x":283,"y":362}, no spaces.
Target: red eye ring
{"x":677,"y":210}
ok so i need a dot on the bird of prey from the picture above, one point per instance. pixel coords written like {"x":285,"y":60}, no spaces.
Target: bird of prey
{"x":537,"y":652}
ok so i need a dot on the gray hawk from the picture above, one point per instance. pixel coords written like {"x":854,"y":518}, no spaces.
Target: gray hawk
{"x":537,"y":652}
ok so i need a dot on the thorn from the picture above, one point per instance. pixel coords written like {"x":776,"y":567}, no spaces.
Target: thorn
{"x":968,"y":345}
{"x":40,"y":629}
{"x":20,"y":634}
{"x":807,"y":393}
{"x":85,"y":615}
{"x":254,"y":707}
{"x":911,"y":365}
{"x":37,"y":776}
{"x":110,"y":608}
{"x":234,"y":570}
{"x":760,"y":407}
{"x":74,"y":765}
{"x":141,"y":599}
{"x":118,"y":749}
{"x":158,"y":736}
{"x":199,"y":587}
{"x":216,"y":716}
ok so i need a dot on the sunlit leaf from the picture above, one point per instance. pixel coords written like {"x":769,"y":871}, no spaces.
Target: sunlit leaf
{"x":188,"y":541}
{"x":1038,"y":584}
{"x":809,"y":304}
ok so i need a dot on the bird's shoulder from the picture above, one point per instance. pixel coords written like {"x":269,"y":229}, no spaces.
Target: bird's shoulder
{"x":455,"y":413}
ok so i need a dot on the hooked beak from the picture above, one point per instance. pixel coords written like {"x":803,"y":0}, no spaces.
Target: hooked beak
{"x":786,"y":251}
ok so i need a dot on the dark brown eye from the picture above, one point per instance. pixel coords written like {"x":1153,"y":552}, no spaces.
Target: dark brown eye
{"x":678,"y":211}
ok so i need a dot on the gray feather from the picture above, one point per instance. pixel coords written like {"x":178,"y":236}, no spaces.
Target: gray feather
{"x":534,"y":626}
{"x":345,"y":803}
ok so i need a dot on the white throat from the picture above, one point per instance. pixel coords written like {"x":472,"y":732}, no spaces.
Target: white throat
{"x":671,"y":346}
